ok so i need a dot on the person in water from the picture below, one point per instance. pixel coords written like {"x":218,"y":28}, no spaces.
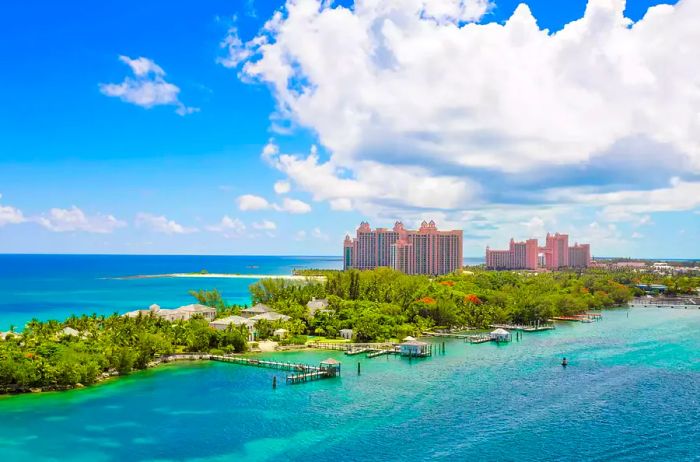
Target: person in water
{"x":564,"y":362}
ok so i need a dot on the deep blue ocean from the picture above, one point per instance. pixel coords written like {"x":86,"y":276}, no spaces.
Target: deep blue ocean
{"x":56,"y":286}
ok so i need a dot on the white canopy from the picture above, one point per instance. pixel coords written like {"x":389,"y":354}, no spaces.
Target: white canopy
{"x":500,"y":331}
{"x":409,"y":339}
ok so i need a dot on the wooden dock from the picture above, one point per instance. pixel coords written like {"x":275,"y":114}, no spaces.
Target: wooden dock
{"x":587,"y":317}
{"x":304,"y":372}
{"x":478,"y":338}
{"x":446,"y":335}
{"x":524,"y":327}
{"x":391,"y":351}
{"x":352,"y":349}
{"x":307,"y":377}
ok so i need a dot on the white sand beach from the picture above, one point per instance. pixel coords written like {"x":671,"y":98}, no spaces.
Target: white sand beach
{"x":292,"y":277}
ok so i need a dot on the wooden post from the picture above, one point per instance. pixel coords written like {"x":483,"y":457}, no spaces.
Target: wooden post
{"x":274,"y":382}
{"x":358,"y":368}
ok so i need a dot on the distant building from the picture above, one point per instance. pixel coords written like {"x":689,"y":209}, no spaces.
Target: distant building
{"x":183,"y":313}
{"x":255,"y":310}
{"x":580,"y":256}
{"x":317,"y":305}
{"x":346,"y":334}
{"x":556,"y":254}
{"x":423,"y":251}
{"x":223,"y":323}
{"x":270,"y":316}
{"x":520,"y":255}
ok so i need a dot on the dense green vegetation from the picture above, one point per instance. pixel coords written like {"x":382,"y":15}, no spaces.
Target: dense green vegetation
{"x":380,"y":304}
{"x":383,"y":304}
{"x":43,"y":356}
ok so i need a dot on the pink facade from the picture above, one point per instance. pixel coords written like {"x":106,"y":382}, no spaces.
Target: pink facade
{"x":520,"y":255}
{"x":580,"y":255}
{"x":425,"y":251}
{"x":554,"y":255}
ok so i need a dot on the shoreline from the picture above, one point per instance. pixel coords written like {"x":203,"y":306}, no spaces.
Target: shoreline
{"x":292,"y":277}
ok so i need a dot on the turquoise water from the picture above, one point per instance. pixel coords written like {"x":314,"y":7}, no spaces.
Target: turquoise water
{"x":630,"y":393}
{"x":56,"y":286}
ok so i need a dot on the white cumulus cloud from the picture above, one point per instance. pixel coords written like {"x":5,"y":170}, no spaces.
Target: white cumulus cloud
{"x":282,"y":187}
{"x":229,"y":227}
{"x":266,"y":225}
{"x":10,"y":215}
{"x":248,"y":202}
{"x":74,"y":219}
{"x":147,"y":88}
{"x":292,"y":206}
{"x":415,"y":107}
{"x":161,"y":224}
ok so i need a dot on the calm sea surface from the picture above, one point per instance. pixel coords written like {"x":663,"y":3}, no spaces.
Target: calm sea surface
{"x":630,"y":392}
{"x":56,"y":286}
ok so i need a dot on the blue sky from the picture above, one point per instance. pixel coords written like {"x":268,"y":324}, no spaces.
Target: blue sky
{"x":183,"y":158}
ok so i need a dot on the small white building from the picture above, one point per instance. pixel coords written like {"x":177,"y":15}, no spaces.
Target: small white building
{"x":223,"y":323}
{"x":255,"y":310}
{"x":271,"y":316}
{"x":317,"y":305}
{"x":500,"y":335}
{"x":415,"y":348}
{"x":281,"y":333}
{"x":346,"y":334}
{"x":185,"y":312}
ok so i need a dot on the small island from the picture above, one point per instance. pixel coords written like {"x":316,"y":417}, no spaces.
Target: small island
{"x":378,"y":305}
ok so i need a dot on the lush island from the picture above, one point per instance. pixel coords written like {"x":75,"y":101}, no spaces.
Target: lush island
{"x":377,"y":305}
{"x":84,"y":350}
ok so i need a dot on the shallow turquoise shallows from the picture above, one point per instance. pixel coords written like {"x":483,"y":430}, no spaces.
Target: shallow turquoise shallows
{"x":630,"y":393}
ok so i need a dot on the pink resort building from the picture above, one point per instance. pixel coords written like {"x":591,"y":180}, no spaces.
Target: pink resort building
{"x":556,"y":254}
{"x":425,"y":251}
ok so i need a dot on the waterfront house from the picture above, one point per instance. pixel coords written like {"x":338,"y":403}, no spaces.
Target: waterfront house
{"x":184,"y":313}
{"x":500,"y":335}
{"x":189,"y":311}
{"x":270,"y":316}
{"x":415,"y":348}
{"x":223,"y":323}
{"x":346,"y":334}
{"x":255,"y":310}
{"x":280,"y":333}
{"x":317,"y":305}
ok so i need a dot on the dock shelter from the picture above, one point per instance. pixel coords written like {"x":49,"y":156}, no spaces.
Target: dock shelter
{"x":500,"y":335}
{"x":331,"y":367}
{"x":415,"y":348}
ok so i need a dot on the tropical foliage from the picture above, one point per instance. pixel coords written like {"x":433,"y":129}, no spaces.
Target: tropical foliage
{"x":44,"y":356}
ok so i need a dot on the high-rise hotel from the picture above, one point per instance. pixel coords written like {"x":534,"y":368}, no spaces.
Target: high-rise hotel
{"x":425,"y":251}
{"x":556,"y":254}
